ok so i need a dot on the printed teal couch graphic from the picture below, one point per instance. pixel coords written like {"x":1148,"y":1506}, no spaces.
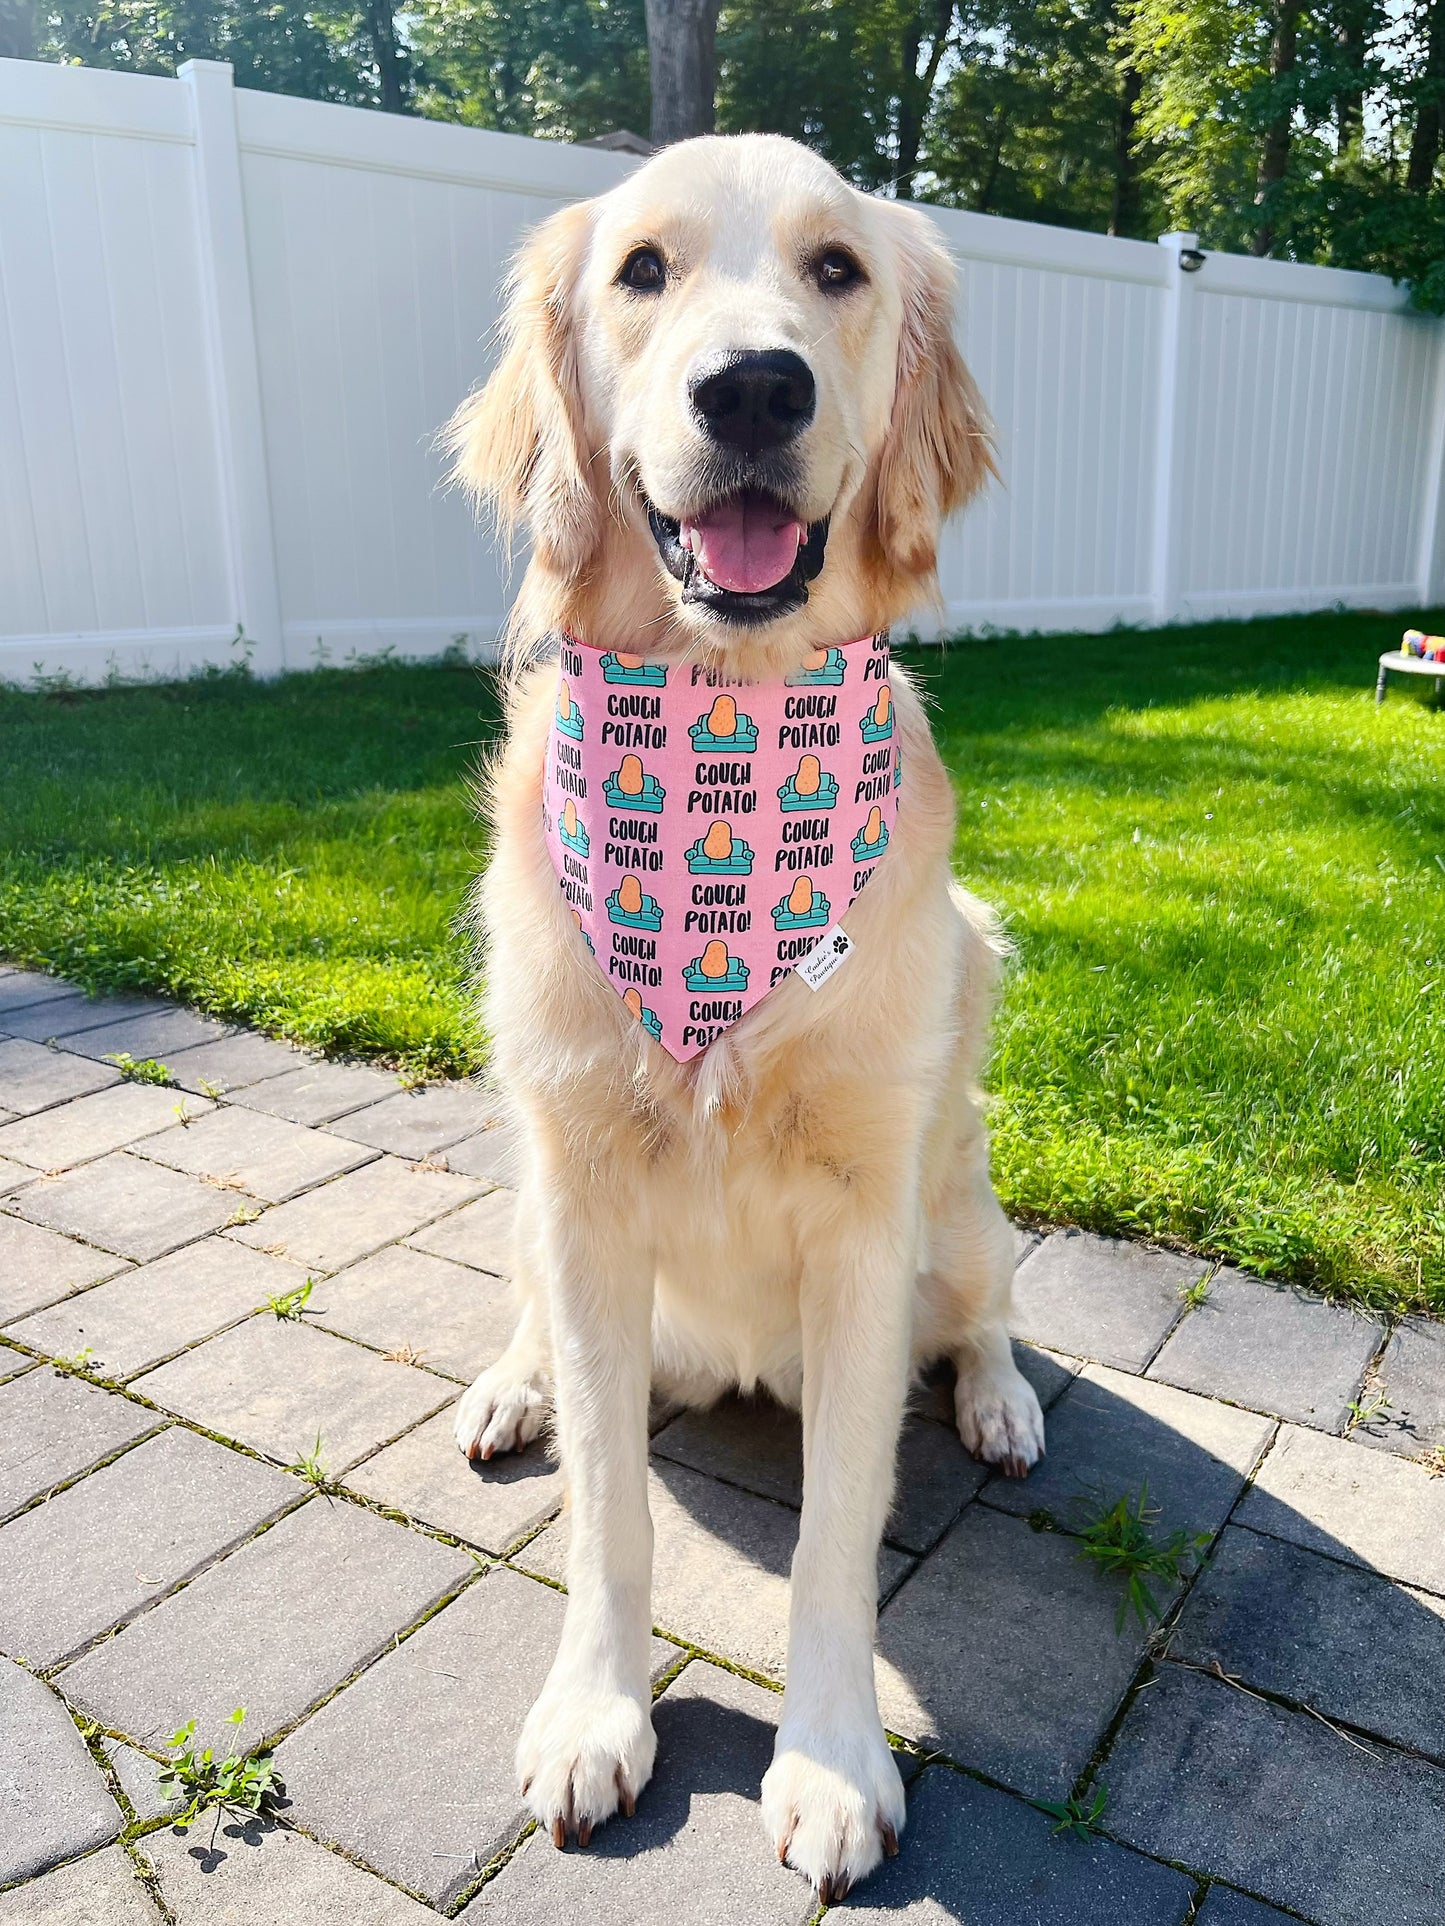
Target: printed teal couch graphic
{"x":809,"y":787}
{"x":573,"y":830}
{"x":877,"y":724}
{"x":872,"y":838}
{"x":649,"y":1019}
{"x":715,"y":969}
{"x":803,"y":908}
{"x":568,"y":715}
{"x":824,"y":668}
{"x":724,"y":728}
{"x":629,"y":903}
{"x":630,"y":787}
{"x":632,"y":669}
{"x":720,"y":853}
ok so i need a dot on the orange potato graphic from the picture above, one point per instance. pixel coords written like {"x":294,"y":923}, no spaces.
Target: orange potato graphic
{"x":629,"y":776}
{"x":882,"y":705}
{"x":718,"y":842}
{"x":800,"y":896}
{"x":816,"y":659}
{"x":564,"y":700}
{"x":630,"y":661}
{"x":569,"y":817}
{"x":715,"y":959}
{"x":722,"y":717}
{"x":633,"y":1002}
{"x":809,"y":774}
{"x":577,"y":918}
{"x":629,"y":895}
{"x":873,"y":828}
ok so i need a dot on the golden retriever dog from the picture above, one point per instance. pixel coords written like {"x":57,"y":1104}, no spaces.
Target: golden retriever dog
{"x":734,"y":339}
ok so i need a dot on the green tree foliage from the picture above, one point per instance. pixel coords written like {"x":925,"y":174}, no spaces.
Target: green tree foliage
{"x":1306,"y":129}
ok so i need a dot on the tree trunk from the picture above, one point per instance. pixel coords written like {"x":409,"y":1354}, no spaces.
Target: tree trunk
{"x":1350,"y":38}
{"x":682,"y":56}
{"x":1274,"y":151}
{"x":1124,"y":214}
{"x":1000,"y":130}
{"x":382,"y":23}
{"x":915,"y":91}
{"x":1429,"y":105}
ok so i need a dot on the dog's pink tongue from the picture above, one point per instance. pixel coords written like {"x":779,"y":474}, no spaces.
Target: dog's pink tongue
{"x":747,"y":545}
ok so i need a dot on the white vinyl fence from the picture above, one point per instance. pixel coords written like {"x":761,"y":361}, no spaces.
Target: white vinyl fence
{"x":231,"y":322}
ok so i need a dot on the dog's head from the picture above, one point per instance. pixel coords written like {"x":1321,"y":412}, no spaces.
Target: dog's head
{"x":729,"y":402}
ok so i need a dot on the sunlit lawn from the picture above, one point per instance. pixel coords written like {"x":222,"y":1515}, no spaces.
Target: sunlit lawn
{"x":1222,"y":868}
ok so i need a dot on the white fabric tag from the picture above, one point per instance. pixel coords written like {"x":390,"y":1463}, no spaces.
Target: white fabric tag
{"x":832,"y":948}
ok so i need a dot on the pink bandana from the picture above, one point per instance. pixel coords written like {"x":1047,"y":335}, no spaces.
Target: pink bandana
{"x":710,"y":833}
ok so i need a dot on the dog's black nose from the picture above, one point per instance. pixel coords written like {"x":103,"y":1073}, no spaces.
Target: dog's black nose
{"x":754,"y":399}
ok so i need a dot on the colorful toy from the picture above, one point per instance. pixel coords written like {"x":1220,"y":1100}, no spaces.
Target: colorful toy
{"x":1430,"y":648}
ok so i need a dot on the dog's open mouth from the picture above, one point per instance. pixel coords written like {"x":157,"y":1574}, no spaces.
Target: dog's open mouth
{"x":747,"y":558}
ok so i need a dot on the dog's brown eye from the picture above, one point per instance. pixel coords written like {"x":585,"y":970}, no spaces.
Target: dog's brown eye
{"x":643,"y":269}
{"x":837,"y":269}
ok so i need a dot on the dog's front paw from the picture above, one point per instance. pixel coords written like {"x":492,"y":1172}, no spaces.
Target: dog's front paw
{"x":503,"y":1410}
{"x":584,"y":1751}
{"x":833,"y":1806}
{"x":999,"y":1419}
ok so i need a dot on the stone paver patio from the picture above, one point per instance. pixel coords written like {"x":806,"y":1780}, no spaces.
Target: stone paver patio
{"x":1273,"y":1748}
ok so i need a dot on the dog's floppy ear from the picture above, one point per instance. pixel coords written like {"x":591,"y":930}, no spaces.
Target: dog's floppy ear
{"x":516,"y":443}
{"x":939,"y":444}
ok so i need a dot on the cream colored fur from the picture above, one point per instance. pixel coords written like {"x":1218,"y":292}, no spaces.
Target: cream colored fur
{"x":806,"y":1207}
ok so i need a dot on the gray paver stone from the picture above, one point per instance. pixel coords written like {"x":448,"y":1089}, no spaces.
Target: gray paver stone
{"x":1412,"y":1377}
{"x":37,"y":1266}
{"x":1224,"y":1908}
{"x":103,"y":1549}
{"x":720,"y":1565}
{"x":461,"y":1320}
{"x":1098,"y":1297}
{"x":491,"y":1505}
{"x":72,"y":1014}
{"x":1271,"y":1347}
{"x":480,"y":1235}
{"x":275,"y":1384}
{"x":102,"y":1887}
{"x":260,"y":1875}
{"x":1002,"y":1649}
{"x":53,"y":1800}
{"x":695,"y":1854}
{"x":1275,"y":1801}
{"x":128,"y":1205}
{"x":495,"y":1154}
{"x":412,"y":1766}
{"x":33,"y":1078}
{"x":758,"y":1444}
{"x":414,"y":1123}
{"x":1354,"y":1646}
{"x":232,"y":1063}
{"x":13,"y":1176}
{"x":154,"y":1309}
{"x":264,"y":1156}
{"x":53,"y":1428}
{"x":22,"y":989}
{"x":976,"y":1855}
{"x":140,"y":1781}
{"x":317,"y":1093}
{"x":1350,"y":1502}
{"x":1111,"y":1433}
{"x":354,"y":1215}
{"x":274,"y":1627}
{"x":155,"y":1036}
{"x":87,"y":1127}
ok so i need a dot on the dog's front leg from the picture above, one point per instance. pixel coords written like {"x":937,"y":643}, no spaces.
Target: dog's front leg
{"x":588,"y":1744}
{"x":832,"y":1798}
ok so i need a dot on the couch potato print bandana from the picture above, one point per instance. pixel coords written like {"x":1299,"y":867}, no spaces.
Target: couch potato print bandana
{"x":710,"y":833}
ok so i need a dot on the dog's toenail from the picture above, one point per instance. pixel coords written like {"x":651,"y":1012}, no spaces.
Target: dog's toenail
{"x":584,"y":1833}
{"x":890,"y":1841}
{"x":559,"y":1833}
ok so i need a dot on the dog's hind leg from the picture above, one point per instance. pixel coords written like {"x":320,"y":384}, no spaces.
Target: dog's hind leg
{"x":505,"y":1408}
{"x":963,"y":1306}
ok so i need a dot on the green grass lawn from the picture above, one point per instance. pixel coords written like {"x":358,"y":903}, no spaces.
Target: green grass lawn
{"x":1222,"y":868}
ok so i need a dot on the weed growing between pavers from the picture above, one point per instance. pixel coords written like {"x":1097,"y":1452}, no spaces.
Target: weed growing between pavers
{"x":140,"y":1069}
{"x":1078,"y":1814}
{"x":291,"y":1305}
{"x":1119,"y":1542}
{"x":237,"y":1783}
{"x":78,"y":1365}
{"x":311,"y":1466}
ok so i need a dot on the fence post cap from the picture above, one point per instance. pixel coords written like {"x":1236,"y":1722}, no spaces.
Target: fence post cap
{"x":1178,"y":239}
{"x":206,"y":67}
